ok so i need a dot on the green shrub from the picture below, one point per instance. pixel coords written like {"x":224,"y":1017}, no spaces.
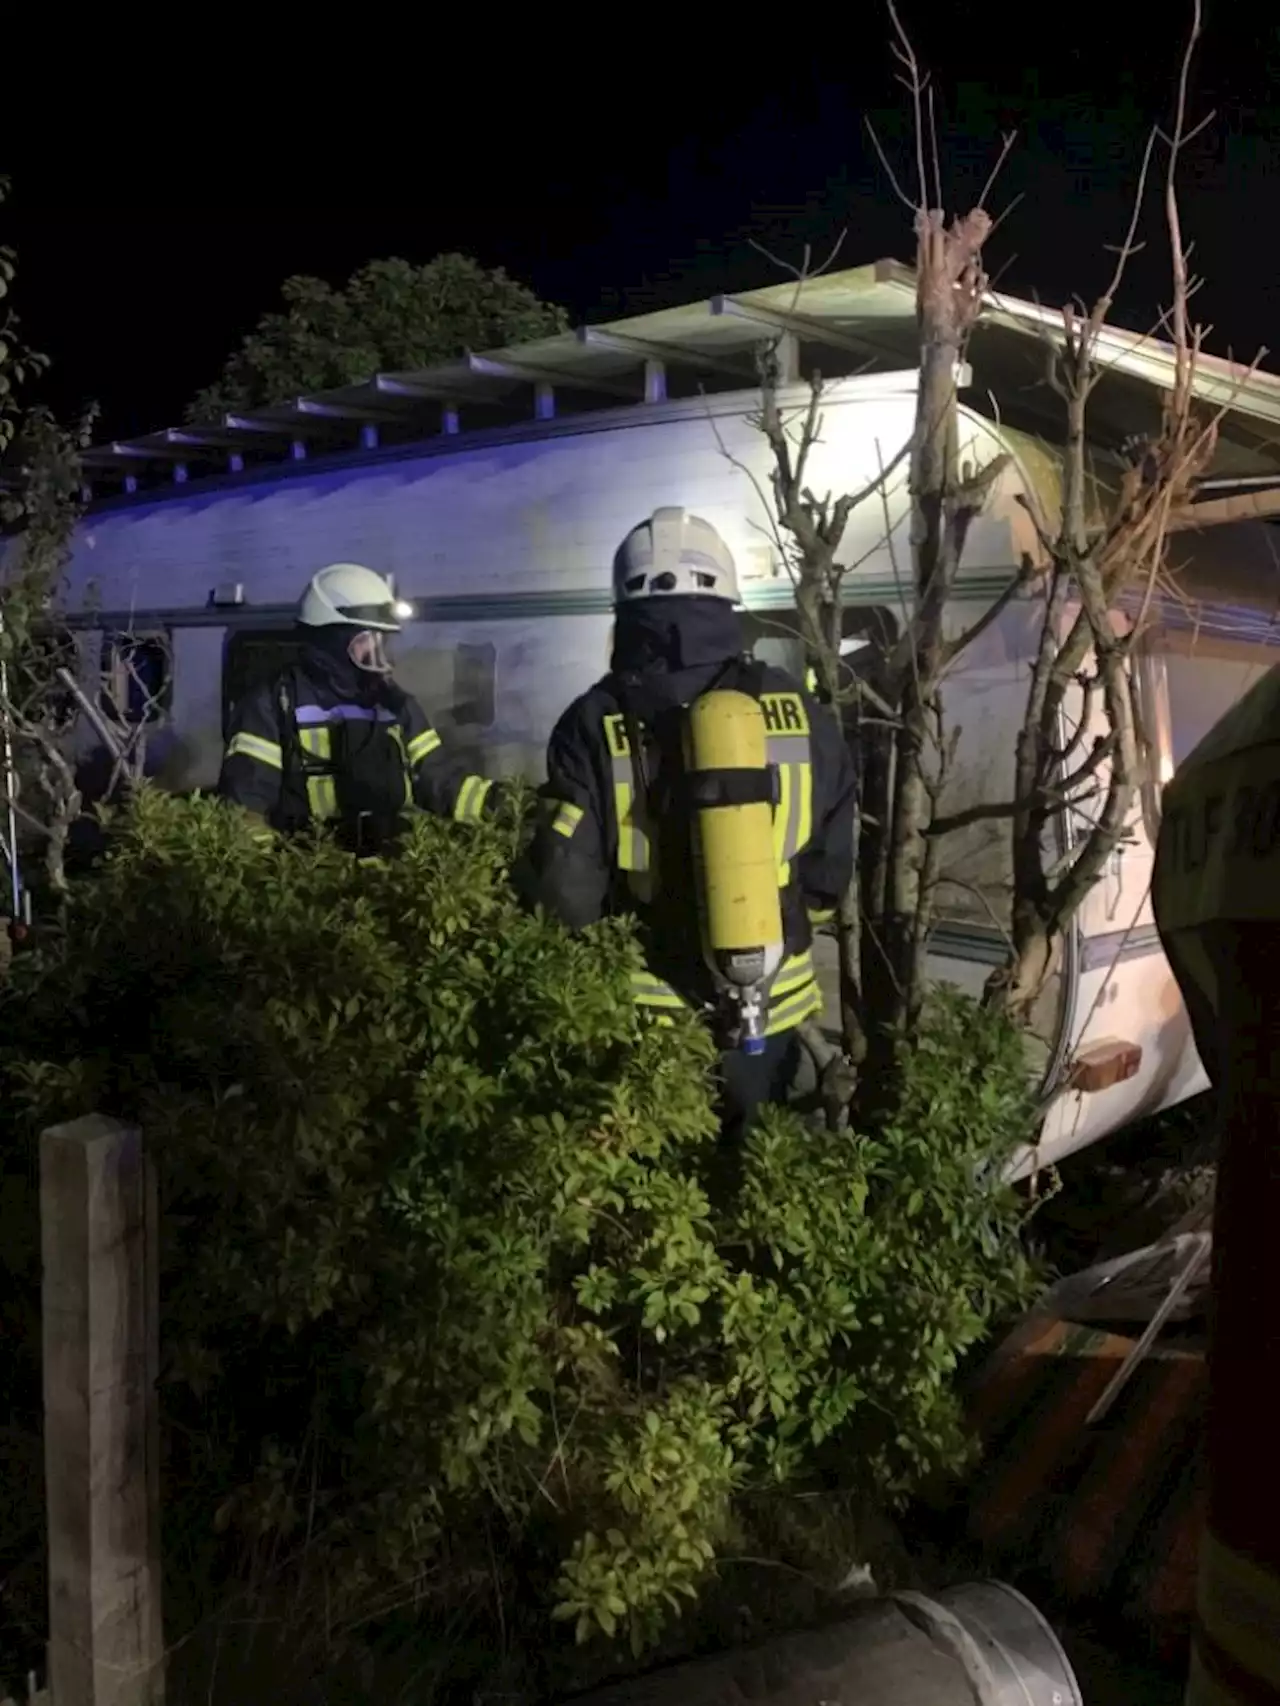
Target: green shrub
{"x":444,"y":1279}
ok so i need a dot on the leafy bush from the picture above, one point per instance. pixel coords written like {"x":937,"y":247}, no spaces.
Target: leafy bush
{"x":447,"y":1275}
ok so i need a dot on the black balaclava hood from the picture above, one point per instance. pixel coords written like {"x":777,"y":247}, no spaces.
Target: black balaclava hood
{"x":326,"y":654}
{"x":668,"y":647}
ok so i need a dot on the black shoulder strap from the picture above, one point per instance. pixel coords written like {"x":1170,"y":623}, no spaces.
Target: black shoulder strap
{"x":286,"y":708}
{"x":293,"y":762}
{"x":639,"y":758}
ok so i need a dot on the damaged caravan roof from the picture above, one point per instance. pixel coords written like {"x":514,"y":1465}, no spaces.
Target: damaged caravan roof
{"x":858,"y":320}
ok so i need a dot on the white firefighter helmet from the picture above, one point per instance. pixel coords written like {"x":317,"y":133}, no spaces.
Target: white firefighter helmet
{"x":347,"y":595}
{"x":674,"y":553}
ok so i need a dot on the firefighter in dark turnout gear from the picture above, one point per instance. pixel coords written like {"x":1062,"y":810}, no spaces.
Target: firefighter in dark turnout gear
{"x":615,"y":835}
{"x":333,"y":739}
{"x":1215,"y":890}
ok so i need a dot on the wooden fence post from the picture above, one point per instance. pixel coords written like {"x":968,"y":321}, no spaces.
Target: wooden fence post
{"x":101,"y":1444}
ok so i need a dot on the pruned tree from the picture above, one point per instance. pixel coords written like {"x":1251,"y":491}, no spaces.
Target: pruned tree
{"x":1104,"y":551}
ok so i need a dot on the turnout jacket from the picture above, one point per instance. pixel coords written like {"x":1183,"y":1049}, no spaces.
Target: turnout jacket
{"x":601,"y":847}
{"x":307,"y":748}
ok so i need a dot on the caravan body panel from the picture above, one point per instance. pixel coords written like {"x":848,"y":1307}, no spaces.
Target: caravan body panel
{"x":505,"y":542}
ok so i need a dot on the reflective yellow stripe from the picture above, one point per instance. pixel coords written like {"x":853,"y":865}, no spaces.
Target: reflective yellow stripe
{"x":469,"y":805}
{"x":781,"y":818}
{"x":651,"y":992}
{"x":633,"y":843}
{"x":423,"y":745}
{"x":254,"y":746}
{"x":804,"y":805}
{"x":793,"y":996}
{"x":793,"y":816}
{"x":322,"y":792}
{"x":397,"y":735}
{"x":1239,"y":1605}
{"x":567,"y":820}
{"x":791,"y":974}
{"x":789,"y":754}
{"x":821,"y":914}
{"x":794,"y":1009}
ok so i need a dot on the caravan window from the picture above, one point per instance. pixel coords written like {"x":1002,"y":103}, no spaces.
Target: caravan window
{"x":254,"y":658}
{"x":137,"y":677}
{"x":775,"y":637}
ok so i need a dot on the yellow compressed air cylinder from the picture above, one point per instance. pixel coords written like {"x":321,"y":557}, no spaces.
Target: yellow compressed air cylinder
{"x":742,"y":912}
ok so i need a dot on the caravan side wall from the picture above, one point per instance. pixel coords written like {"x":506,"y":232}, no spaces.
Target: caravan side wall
{"x":523,"y":530}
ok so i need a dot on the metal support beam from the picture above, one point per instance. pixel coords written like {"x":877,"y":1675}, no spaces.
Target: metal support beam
{"x":123,"y":450}
{"x":235,"y":463}
{"x":297,"y":451}
{"x":449,"y":418}
{"x":803,"y":326}
{"x":199,"y":438}
{"x":341,"y":411}
{"x":655,"y":381}
{"x":672,"y":355}
{"x":244,"y":426}
{"x":544,"y":401}
{"x":240,"y":427}
{"x":412,"y":390}
{"x":179,"y":473}
{"x":495,"y":367}
{"x":130,"y":484}
{"x":369,"y":436}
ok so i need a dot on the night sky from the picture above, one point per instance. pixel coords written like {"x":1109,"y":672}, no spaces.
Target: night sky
{"x":614,"y":185}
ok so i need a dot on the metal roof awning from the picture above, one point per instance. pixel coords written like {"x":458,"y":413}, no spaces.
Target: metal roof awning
{"x":859,"y":320}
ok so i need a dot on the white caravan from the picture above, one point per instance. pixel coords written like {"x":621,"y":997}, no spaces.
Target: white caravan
{"x":502,"y":536}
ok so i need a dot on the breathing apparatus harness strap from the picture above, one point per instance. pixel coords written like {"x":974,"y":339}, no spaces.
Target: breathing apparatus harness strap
{"x":299,"y":766}
{"x":710,"y":789}
{"x":293,"y":759}
{"x":730,"y":789}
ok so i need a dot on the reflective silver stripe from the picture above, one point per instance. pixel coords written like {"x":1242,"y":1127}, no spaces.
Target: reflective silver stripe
{"x":791,"y":974}
{"x":788,"y":749}
{"x":793,"y":814}
{"x":794,"y":1009}
{"x":307,"y":715}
